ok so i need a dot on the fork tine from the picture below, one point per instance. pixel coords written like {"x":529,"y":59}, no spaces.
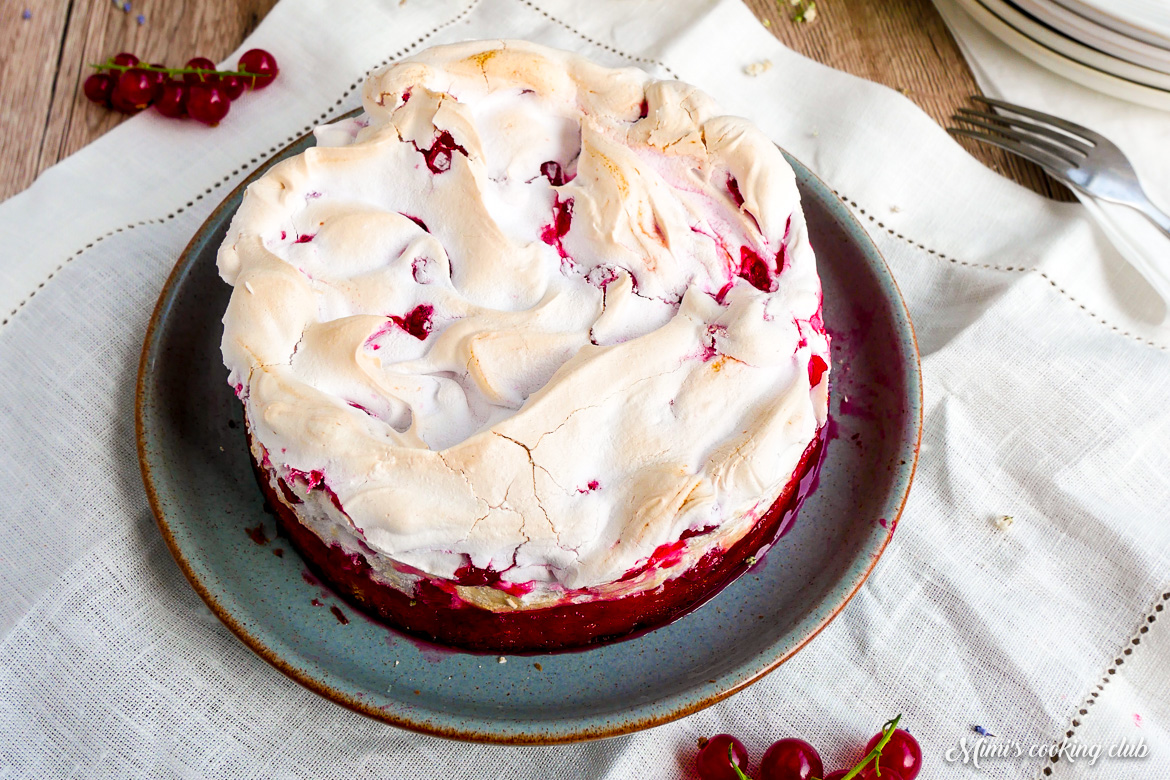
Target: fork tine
{"x":1078,"y":130}
{"x":1060,"y":139}
{"x":1053,"y":165}
{"x":1067,"y":156}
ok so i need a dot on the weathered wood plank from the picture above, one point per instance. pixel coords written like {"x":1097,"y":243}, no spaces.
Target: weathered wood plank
{"x":30,"y":50}
{"x":44,"y":116}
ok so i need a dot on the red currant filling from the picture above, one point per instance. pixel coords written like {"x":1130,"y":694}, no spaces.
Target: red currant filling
{"x":816,"y":369}
{"x":438,"y":157}
{"x":552,"y":171}
{"x":468,"y":574}
{"x":733,"y":188}
{"x":312,"y":480}
{"x":418,"y":222}
{"x":417,"y":321}
{"x":436,"y":611}
{"x":554,"y":232}
{"x":753,"y":268}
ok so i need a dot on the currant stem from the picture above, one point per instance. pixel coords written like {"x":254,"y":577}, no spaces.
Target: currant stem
{"x":888,"y":729}
{"x":735,"y":766}
{"x":174,"y":71}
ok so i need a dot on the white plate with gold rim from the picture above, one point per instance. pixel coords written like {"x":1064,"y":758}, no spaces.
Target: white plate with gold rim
{"x":1088,"y":32}
{"x":1144,"y":20}
{"x":1073,"y":50}
{"x":1064,"y":66}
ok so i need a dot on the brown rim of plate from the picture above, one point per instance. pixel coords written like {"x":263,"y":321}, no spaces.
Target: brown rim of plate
{"x":349,"y":702}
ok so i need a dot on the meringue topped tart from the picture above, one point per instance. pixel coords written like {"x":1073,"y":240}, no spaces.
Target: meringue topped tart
{"x":531,"y":350}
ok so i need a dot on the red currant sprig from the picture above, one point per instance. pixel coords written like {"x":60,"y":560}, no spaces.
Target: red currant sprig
{"x":197,"y":90}
{"x":864,"y":770}
{"x":890,"y":755}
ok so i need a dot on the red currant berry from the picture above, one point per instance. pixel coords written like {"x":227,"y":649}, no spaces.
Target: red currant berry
{"x":233,"y":86}
{"x":791,"y":759}
{"x":98,"y":87}
{"x":173,"y":101}
{"x":713,"y":762}
{"x":207,"y":103}
{"x":260,"y":63}
{"x":119,"y":103}
{"x":136,"y":87}
{"x":202,"y":63}
{"x":837,"y":775}
{"x":901,"y":753}
{"x":159,"y":78}
{"x":126,"y":59}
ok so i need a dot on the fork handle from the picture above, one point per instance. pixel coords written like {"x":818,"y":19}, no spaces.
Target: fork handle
{"x":1155,"y":215}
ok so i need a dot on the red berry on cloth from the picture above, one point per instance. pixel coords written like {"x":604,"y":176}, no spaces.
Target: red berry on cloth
{"x":233,"y":86}
{"x":714,"y":763}
{"x":902,"y":753}
{"x":207,"y":103}
{"x":791,"y":759}
{"x":262,"y":65}
{"x":200,"y":63}
{"x":173,"y":102}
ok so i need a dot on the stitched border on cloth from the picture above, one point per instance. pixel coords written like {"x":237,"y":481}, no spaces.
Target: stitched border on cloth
{"x":992,"y":267}
{"x":1111,"y":670}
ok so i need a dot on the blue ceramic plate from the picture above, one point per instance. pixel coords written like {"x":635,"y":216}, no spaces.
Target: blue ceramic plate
{"x":199,"y":479}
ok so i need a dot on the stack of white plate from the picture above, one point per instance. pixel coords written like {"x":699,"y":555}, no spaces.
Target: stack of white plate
{"x":1119,"y":47}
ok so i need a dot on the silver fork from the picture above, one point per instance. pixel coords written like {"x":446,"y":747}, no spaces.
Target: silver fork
{"x":1070,"y":153}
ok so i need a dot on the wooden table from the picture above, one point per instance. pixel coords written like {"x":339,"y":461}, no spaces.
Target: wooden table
{"x":44,"y":117}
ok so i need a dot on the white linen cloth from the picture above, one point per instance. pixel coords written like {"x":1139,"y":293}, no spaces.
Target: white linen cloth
{"x":1045,"y":366}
